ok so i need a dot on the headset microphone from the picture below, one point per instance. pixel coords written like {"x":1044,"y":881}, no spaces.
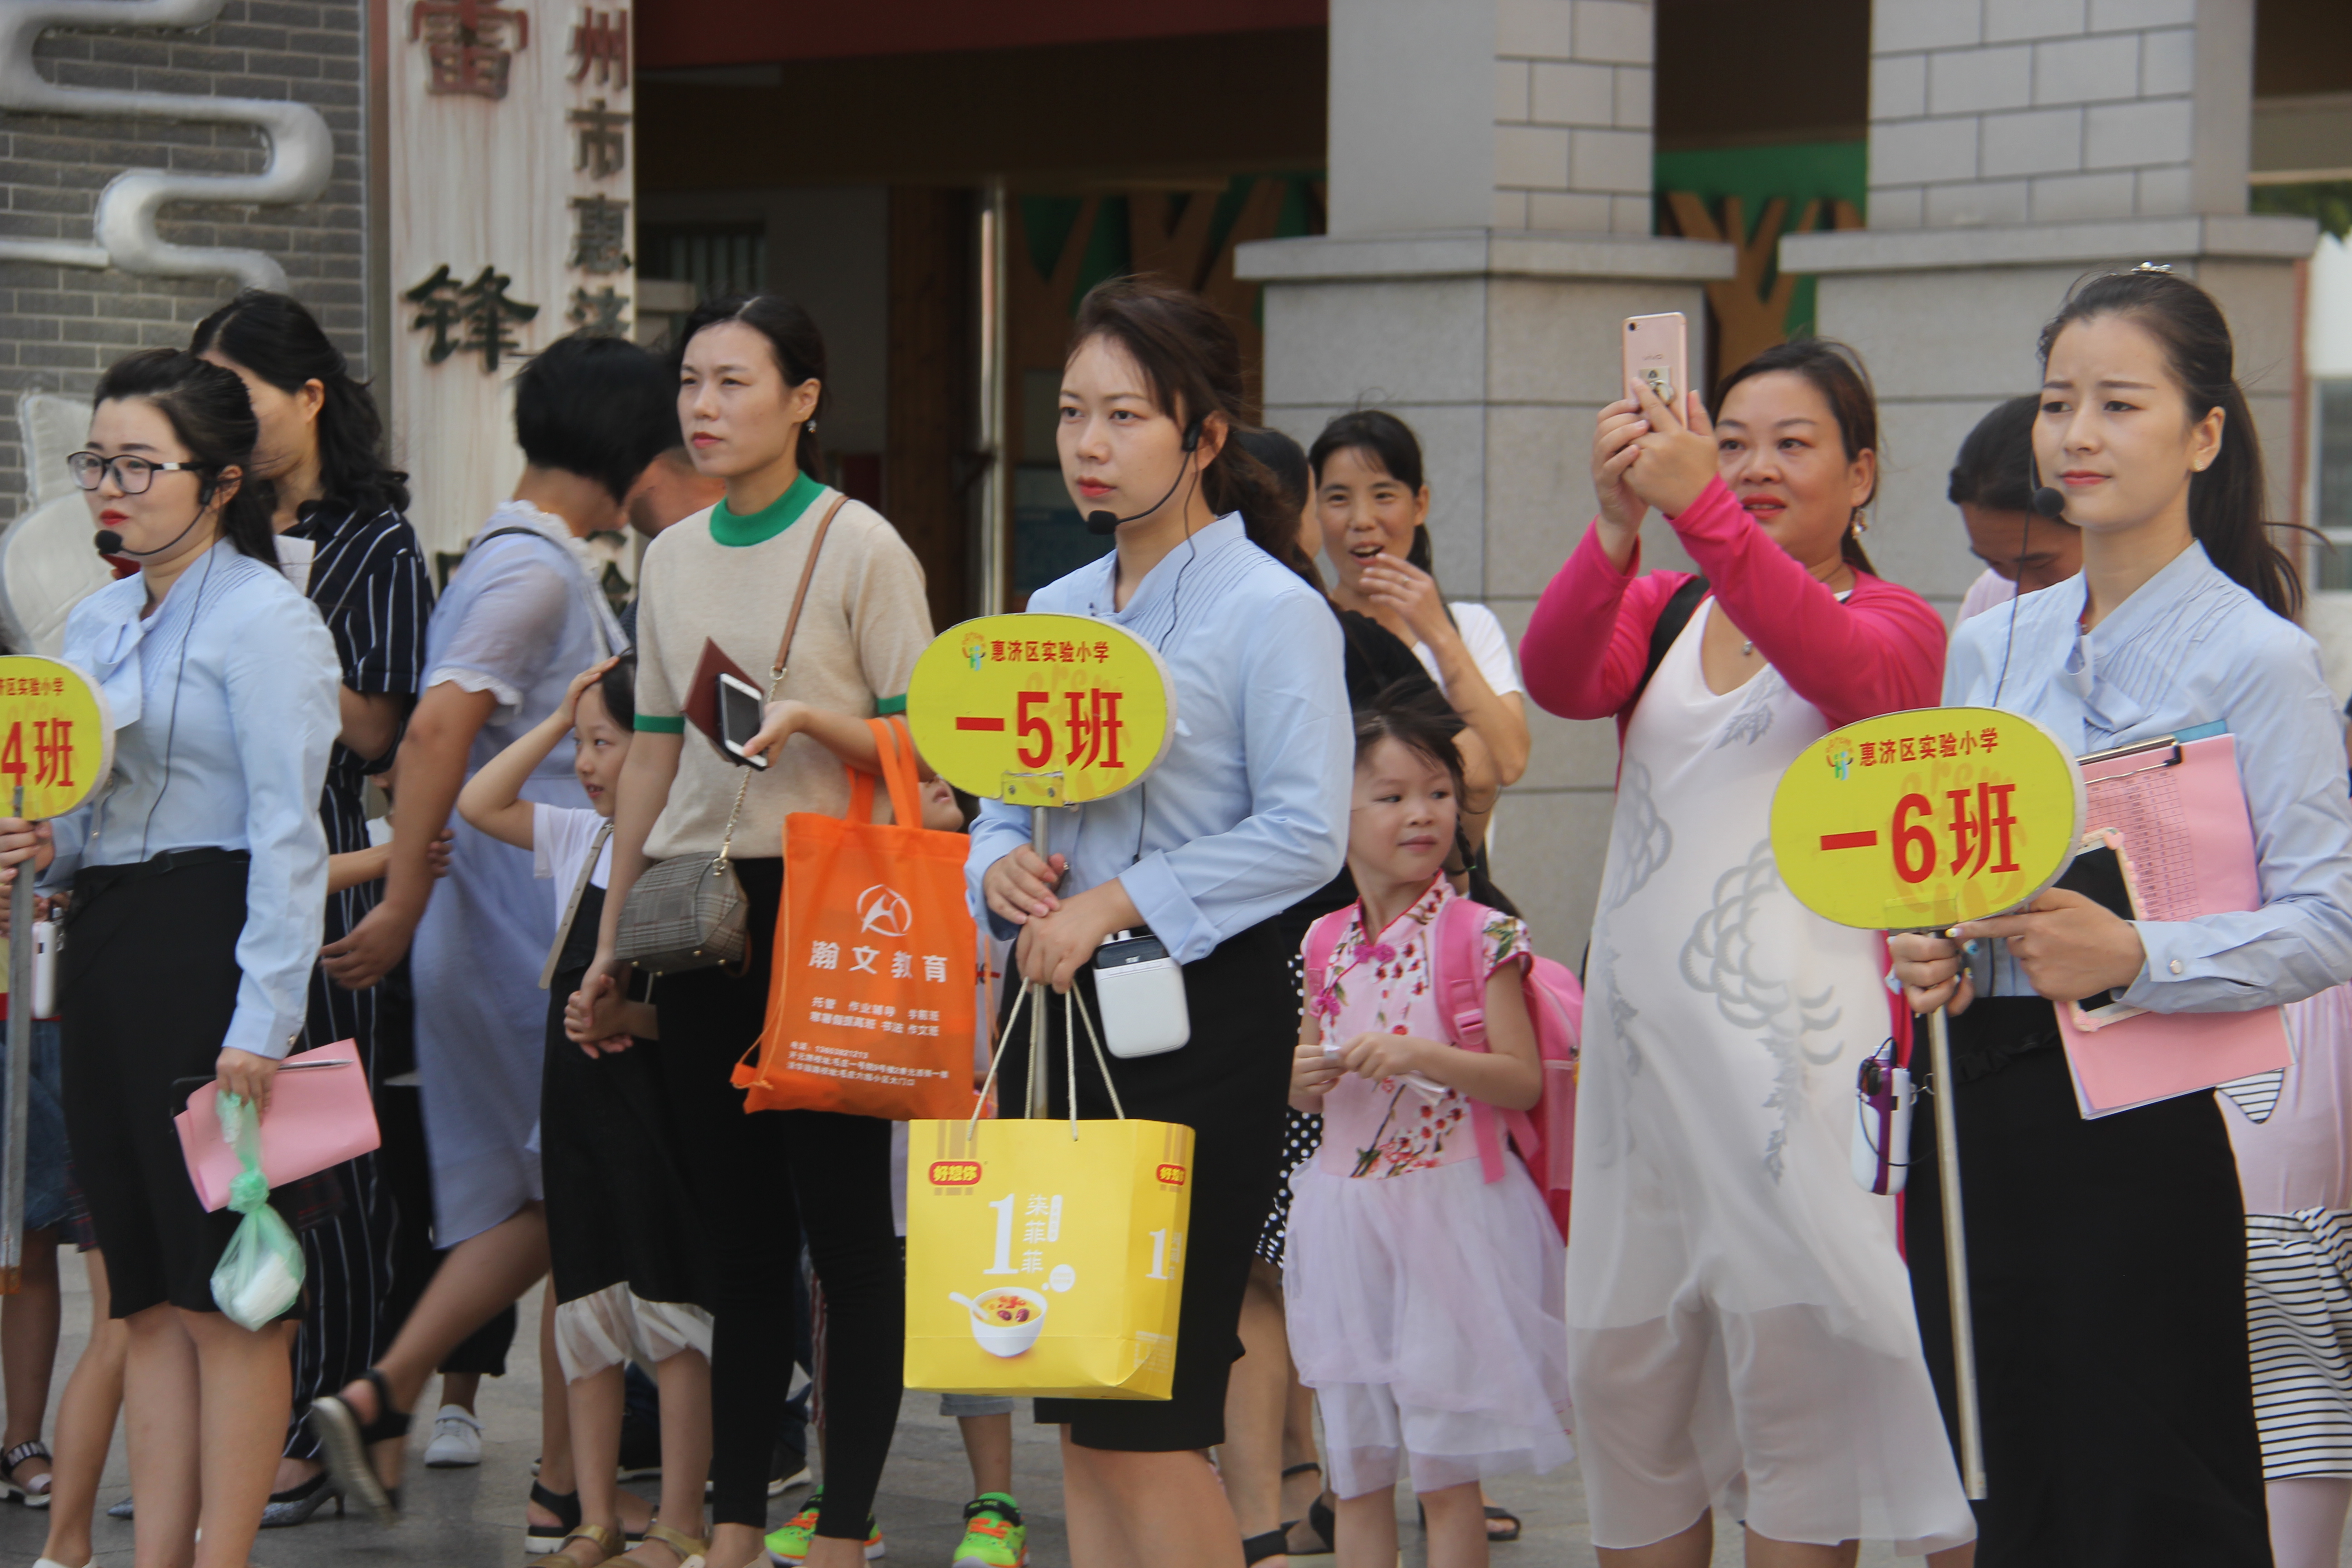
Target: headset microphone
{"x":2048,"y":502}
{"x":110,"y":542}
{"x":1103,"y":524}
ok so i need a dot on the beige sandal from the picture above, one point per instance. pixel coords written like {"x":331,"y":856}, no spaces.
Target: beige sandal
{"x":605,"y":1541}
{"x":689,"y":1552}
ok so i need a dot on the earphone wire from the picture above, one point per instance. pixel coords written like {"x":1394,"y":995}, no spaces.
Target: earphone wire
{"x":179,"y":676}
{"x":2017,"y":584}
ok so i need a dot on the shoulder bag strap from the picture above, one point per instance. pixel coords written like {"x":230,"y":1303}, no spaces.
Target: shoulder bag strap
{"x":784,"y":655}
{"x":1670,"y":622}
{"x":572,"y":908}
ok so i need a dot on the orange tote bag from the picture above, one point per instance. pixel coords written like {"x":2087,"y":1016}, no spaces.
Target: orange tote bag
{"x":870,"y":1008}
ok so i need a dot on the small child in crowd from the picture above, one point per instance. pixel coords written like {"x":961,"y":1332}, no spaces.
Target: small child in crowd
{"x":630,"y":1271}
{"x":1424,"y":1302}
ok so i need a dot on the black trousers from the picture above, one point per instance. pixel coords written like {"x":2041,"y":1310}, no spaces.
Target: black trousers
{"x":1230,"y":1084}
{"x":760,"y":1182}
{"x":2108,"y":1283}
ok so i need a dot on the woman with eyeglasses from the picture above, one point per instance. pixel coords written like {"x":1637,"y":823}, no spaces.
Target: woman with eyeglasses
{"x":199,"y":867}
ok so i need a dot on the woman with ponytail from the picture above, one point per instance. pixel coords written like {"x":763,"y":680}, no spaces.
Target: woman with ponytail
{"x":1740,"y":1336}
{"x":1245,"y":814}
{"x":339,"y":516}
{"x":199,"y":880}
{"x":2111,"y":1327}
{"x":751,"y":389}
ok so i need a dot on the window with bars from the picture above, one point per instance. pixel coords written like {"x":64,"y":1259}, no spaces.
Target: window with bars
{"x":717,"y":259}
{"x":2334,"y":401}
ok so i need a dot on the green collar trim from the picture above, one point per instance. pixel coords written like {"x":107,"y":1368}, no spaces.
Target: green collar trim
{"x":770,"y":520}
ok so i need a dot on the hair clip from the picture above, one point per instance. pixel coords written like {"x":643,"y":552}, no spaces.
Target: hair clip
{"x":2163,"y":266}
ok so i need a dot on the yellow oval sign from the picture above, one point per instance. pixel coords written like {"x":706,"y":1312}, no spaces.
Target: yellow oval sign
{"x":1040,"y":710}
{"x":1921,"y":819}
{"x":57,"y":740}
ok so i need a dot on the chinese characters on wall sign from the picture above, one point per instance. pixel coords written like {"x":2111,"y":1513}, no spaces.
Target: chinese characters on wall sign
{"x":470,"y":48}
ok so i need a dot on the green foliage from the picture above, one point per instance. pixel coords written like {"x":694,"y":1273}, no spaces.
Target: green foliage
{"x":2329,"y":201}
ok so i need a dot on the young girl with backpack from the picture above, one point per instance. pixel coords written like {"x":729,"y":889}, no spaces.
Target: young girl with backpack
{"x":1425,"y":1281}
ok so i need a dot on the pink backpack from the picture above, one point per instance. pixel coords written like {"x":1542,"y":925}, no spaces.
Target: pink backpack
{"x":1544,"y":1135}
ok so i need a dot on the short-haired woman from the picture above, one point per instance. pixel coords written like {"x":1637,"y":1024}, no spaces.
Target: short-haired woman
{"x":199,"y":879}
{"x":1245,"y":814}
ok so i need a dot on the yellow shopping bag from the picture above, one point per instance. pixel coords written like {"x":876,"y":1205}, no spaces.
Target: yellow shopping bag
{"x":1045,"y":1258}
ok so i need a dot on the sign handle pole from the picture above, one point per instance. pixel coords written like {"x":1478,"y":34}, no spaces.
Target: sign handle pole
{"x":1956,"y":1257}
{"x":20,"y":1073}
{"x":1040,"y":835}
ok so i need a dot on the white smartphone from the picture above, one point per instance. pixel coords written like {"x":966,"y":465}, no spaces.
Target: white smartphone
{"x":740,"y":711}
{"x":1657,"y":355}
{"x":1141,"y":992}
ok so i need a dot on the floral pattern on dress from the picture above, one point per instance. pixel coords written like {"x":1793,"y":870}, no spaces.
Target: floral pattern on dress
{"x":1388,"y":982}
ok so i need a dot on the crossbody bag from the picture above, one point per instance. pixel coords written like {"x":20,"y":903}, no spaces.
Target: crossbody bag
{"x":688,"y":912}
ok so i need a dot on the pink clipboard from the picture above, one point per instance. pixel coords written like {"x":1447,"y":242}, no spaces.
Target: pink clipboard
{"x":2182,"y":812}
{"x":319,"y":1115}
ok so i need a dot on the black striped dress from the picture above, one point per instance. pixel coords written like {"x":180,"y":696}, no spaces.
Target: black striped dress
{"x":371,"y":581}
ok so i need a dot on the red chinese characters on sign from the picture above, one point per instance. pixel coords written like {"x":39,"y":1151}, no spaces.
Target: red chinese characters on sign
{"x":1981,"y":825}
{"x":600,"y":42}
{"x":1927,"y":748}
{"x":469,"y":44}
{"x":53,"y":754}
{"x":1092,"y":727}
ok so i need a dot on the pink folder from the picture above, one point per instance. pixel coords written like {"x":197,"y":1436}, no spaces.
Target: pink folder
{"x":319,"y":1115}
{"x":2182,"y":815}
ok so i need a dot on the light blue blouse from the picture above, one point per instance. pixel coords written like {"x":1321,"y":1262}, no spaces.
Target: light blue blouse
{"x":2192,"y":648}
{"x":225,"y":706}
{"x":1247,"y":812}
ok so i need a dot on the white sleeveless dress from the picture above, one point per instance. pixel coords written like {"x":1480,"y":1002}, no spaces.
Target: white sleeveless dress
{"x":1740,"y":1330}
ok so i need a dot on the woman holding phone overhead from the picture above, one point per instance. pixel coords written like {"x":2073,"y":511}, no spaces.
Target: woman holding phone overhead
{"x":1244,"y":814}
{"x":200,"y":868}
{"x":2111,"y":1329}
{"x":1740,"y":1334}
{"x":751,"y":389}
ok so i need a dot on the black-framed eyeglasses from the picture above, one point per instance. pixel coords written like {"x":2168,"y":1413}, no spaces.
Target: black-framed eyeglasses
{"x":132,"y":476}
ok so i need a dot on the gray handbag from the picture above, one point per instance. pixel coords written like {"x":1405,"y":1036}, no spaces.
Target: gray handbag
{"x":688,"y":912}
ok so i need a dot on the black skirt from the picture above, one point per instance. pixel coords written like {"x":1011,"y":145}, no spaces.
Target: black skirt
{"x":1230,"y":1085}
{"x":2107,"y":1282}
{"x":149,"y":981}
{"x":619,"y":1211}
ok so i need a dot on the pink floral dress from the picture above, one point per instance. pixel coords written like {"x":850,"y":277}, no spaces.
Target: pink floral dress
{"x":1424,"y":1301}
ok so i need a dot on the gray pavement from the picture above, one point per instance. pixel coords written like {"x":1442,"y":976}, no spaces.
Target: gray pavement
{"x":473,"y":1518}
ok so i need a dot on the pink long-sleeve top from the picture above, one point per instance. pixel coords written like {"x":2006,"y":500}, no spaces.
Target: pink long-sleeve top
{"x":1879,"y":652}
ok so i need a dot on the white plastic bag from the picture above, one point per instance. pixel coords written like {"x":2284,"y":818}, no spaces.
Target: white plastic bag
{"x":260,"y":1273}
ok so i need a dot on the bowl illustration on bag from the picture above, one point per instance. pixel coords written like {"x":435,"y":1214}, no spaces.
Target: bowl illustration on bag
{"x":1005,"y":1321}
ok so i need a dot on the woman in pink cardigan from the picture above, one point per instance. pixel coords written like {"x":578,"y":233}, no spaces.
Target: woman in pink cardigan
{"x":1740,"y":1329}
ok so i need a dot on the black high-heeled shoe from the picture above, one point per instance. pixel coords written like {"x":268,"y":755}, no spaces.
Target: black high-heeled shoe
{"x":344,"y":1440}
{"x":297,"y":1504}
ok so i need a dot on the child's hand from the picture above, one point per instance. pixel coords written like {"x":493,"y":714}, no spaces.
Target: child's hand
{"x":436,"y":854}
{"x":1383,"y":1057}
{"x":580,"y":683}
{"x":592,"y":1016}
{"x":1312,"y":1074}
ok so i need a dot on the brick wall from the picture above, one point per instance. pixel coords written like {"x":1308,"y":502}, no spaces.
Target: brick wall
{"x":1572,"y":95}
{"x":60,"y":326}
{"x":2001,"y":111}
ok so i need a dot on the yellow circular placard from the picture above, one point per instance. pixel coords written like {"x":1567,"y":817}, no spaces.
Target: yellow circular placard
{"x":1040,"y":710}
{"x":57,"y":740}
{"x":1918,"y":819}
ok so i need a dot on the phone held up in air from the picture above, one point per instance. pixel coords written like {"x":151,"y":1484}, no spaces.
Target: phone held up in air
{"x":1140,"y":990}
{"x":740,"y":711}
{"x":1657,"y":355}
{"x":2102,"y":873}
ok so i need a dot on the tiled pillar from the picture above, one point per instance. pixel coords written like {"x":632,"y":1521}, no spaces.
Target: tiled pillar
{"x":1490,"y":228}
{"x":2017,"y":146}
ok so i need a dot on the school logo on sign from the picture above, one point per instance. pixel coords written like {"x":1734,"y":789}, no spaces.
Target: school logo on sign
{"x":884,"y":909}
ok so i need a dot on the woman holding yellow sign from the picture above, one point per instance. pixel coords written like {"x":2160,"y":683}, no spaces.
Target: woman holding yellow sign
{"x":1740,"y":1333}
{"x":2107,"y":1266}
{"x":1244,"y":814}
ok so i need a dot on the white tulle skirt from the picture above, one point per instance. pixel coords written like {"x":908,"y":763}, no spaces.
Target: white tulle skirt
{"x":614,"y":1325}
{"x":1425,"y":1311}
